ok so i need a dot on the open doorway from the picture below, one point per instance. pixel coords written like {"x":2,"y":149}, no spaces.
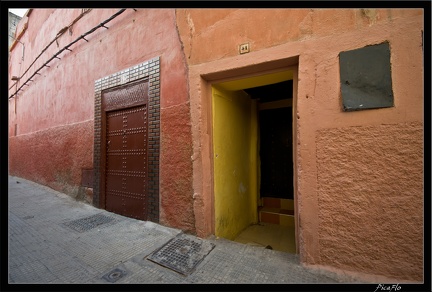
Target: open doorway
{"x":253,"y":161}
{"x":275,"y":139}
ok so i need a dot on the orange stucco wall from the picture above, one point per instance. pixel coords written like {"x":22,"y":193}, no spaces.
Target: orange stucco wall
{"x":354,"y":170}
{"x":54,"y":115}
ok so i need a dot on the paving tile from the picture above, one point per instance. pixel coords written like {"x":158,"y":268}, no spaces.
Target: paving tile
{"x":42,"y":250}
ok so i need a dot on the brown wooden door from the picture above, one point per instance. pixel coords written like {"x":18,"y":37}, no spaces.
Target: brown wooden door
{"x":126,"y":159}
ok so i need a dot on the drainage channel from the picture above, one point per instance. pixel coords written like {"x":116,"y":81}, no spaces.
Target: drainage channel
{"x":88,"y":223}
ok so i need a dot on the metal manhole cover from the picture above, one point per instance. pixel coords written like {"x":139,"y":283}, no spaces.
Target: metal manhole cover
{"x":87,"y":223}
{"x":182,"y":253}
{"x":114,"y":275}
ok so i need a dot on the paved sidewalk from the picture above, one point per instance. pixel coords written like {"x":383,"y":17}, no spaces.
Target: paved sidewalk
{"x":46,"y":247}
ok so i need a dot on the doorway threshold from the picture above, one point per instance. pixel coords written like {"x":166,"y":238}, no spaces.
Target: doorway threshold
{"x":267,"y":235}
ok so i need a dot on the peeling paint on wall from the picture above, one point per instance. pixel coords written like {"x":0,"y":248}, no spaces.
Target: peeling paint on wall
{"x":371,"y":15}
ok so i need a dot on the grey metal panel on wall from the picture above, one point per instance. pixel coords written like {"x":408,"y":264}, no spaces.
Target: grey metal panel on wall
{"x":365,"y":77}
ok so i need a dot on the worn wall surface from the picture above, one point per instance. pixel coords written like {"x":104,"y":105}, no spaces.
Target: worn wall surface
{"x":51,"y":120}
{"x":55,"y":157}
{"x":311,"y":40}
{"x":370,"y":198}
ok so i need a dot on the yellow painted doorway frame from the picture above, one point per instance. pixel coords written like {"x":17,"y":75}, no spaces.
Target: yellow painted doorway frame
{"x":235,"y":153}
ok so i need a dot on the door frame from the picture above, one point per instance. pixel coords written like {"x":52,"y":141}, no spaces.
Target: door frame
{"x":147,"y":70}
{"x":201,"y":112}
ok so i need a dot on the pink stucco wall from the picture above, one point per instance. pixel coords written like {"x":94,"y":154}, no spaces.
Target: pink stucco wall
{"x":54,"y":116}
{"x":354,"y":170}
